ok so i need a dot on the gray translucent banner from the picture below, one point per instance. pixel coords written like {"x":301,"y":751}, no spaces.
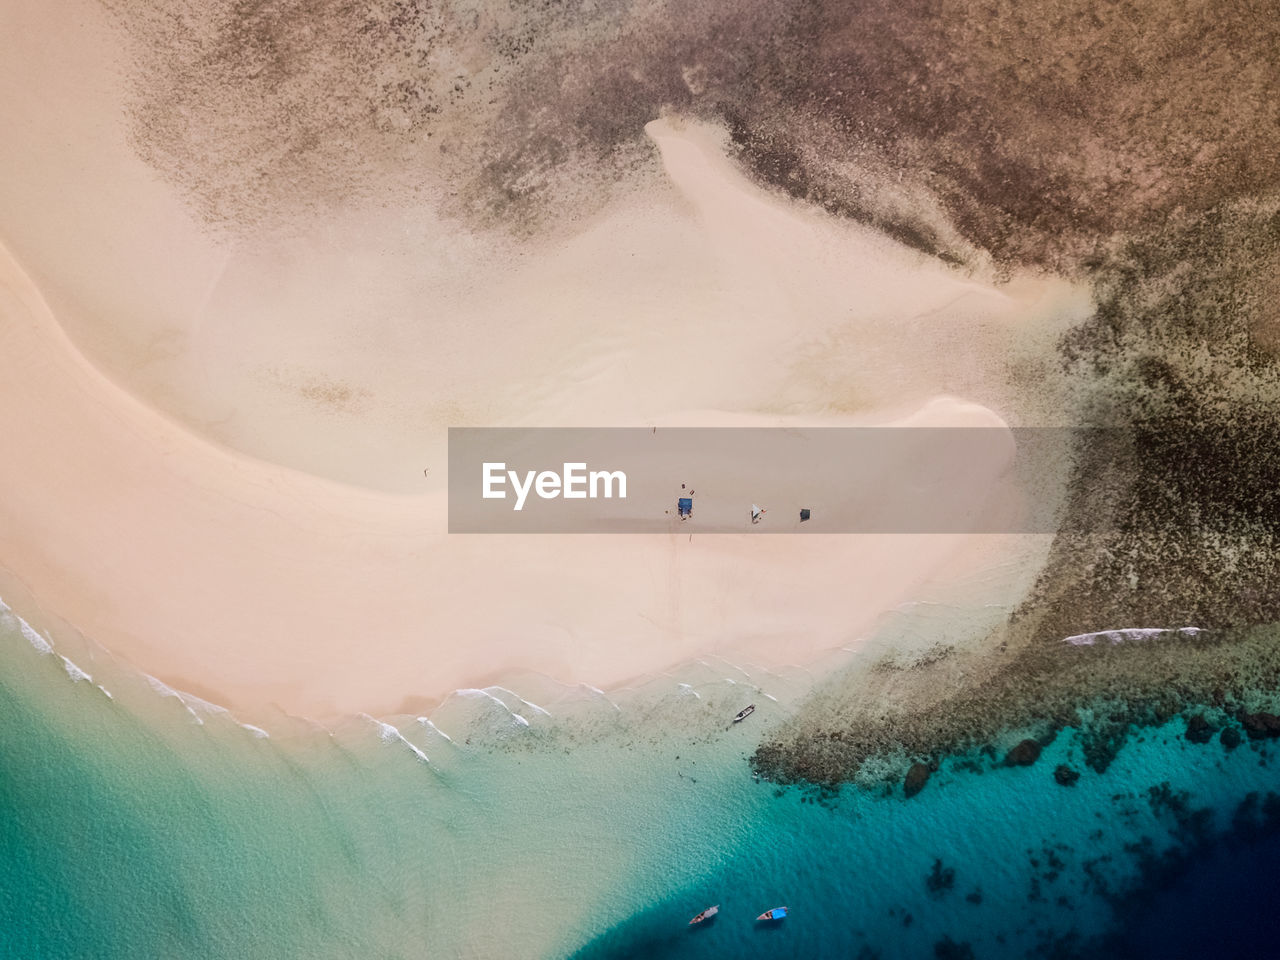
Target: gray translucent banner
{"x":757,"y":480}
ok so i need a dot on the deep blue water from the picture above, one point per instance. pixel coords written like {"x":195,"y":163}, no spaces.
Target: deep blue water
{"x":1155,"y":858}
{"x":130,"y":828}
{"x":1219,"y":902}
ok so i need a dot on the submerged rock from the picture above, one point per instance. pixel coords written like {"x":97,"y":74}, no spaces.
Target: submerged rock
{"x":1023,"y":755}
{"x":1065,"y":775}
{"x":1230,"y":738}
{"x":917,"y":777}
{"x":948,"y":949}
{"x":1199,"y":730}
{"x":940,"y":879}
{"x":1260,"y":725}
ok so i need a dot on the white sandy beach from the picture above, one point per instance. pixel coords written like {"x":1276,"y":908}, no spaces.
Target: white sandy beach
{"x":220,"y":573}
{"x":214,"y":448}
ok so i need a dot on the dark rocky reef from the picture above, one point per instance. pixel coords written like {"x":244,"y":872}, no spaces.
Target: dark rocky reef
{"x":1199,"y":730}
{"x":1261,"y":725}
{"x":1024,"y":754}
{"x":1172,"y":520}
{"x":1065,"y":776}
{"x":917,"y":777}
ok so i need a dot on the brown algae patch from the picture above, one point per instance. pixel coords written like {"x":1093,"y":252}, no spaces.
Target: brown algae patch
{"x":1042,"y":128}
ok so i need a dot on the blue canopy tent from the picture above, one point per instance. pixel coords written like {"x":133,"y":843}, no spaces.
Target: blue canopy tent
{"x":684,"y":506}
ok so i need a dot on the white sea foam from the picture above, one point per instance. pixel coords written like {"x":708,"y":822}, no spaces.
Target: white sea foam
{"x":596,"y":691}
{"x":37,"y":641}
{"x":74,"y":672}
{"x":44,"y":646}
{"x":416,"y":751}
{"x":687,"y":690}
{"x":204,"y":706}
{"x":426,"y":722}
{"x":476,"y":692}
{"x":162,"y":688}
{"x":473,"y":692}
{"x":194,"y":705}
{"x":389,"y":734}
{"x":1127,"y":635}
{"x":527,"y":703}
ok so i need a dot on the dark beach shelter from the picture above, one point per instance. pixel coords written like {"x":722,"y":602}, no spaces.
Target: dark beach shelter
{"x":685,"y":506}
{"x":804,"y":514}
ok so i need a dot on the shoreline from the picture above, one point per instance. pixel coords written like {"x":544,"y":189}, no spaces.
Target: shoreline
{"x":258,"y":585}
{"x":190,"y":561}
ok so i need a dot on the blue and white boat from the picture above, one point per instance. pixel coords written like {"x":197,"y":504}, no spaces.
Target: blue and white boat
{"x":777,"y":913}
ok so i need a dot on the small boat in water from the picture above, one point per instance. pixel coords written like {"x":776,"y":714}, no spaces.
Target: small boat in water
{"x":706,"y":914}
{"x":777,"y":913}
{"x":743,"y":714}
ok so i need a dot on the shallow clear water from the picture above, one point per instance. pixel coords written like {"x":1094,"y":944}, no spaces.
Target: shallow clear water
{"x":142,"y":825}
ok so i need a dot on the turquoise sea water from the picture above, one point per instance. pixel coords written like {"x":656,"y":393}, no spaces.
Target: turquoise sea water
{"x":142,"y":825}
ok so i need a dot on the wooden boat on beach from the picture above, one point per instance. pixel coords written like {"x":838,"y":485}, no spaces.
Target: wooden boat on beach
{"x":743,"y":714}
{"x":706,"y":914}
{"x":777,"y":913}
